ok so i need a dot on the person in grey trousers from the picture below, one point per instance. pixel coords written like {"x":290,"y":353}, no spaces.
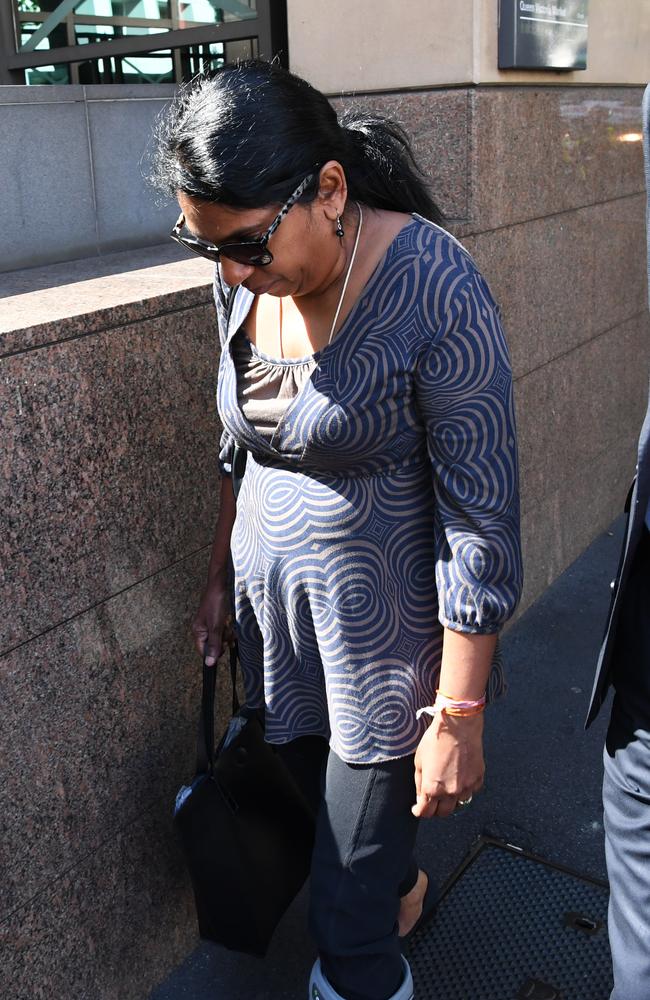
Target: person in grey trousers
{"x":624,"y":662}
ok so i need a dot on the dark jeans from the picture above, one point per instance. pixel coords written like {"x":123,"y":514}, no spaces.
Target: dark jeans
{"x":362,"y":863}
{"x":626,"y":788}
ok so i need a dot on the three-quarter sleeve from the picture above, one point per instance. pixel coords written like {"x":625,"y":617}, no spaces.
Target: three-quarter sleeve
{"x":221,"y":293}
{"x":463,"y":388}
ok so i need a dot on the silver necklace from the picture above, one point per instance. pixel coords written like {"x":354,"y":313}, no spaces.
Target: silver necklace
{"x":345,"y":284}
{"x":347,"y":276}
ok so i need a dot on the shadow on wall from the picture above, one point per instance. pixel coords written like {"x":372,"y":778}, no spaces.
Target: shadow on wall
{"x":72,"y":166}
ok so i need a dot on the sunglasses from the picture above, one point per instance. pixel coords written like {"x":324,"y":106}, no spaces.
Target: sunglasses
{"x":254,"y":253}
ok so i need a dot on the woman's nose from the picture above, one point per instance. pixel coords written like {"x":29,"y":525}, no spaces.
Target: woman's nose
{"x":234,"y":273}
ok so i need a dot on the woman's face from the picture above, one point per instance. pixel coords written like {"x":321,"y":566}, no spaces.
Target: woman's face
{"x":304,"y":250}
{"x":304,"y":246}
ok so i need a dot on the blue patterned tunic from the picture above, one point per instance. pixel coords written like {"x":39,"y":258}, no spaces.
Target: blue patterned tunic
{"x":384,"y":506}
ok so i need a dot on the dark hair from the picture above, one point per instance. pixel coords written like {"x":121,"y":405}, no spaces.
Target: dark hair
{"x":250,"y":133}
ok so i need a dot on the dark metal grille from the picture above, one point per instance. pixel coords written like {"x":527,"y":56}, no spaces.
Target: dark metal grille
{"x":512,"y":926}
{"x":90,"y":47}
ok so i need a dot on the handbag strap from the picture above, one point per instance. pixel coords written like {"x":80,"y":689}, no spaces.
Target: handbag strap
{"x":238,"y":466}
{"x":205,"y":739}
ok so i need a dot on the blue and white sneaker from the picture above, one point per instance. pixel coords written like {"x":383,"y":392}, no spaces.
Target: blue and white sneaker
{"x":321,"y":989}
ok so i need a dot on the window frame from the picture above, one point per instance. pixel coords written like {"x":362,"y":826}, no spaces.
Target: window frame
{"x":268,"y":27}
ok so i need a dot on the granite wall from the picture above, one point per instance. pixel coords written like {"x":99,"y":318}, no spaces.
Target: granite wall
{"x":107,"y":507}
{"x":109,"y":499}
{"x":545,"y":187}
{"x":558,"y":225}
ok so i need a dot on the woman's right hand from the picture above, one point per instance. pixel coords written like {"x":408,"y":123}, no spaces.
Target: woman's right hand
{"x":212,"y":625}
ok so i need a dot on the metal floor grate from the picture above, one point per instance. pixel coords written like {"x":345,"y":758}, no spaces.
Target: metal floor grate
{"x":513,"y":927}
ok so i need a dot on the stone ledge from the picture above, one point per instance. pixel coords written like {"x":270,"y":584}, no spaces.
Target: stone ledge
{"x":42,"y":305}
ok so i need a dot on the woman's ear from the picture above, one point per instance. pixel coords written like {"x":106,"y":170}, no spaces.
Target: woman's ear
{"x":332,"y":190}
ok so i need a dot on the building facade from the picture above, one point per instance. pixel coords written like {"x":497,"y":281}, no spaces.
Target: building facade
{"x":109,"y":355}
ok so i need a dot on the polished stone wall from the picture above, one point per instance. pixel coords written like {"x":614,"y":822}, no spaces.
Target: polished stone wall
{"x":107,"y":507}
{"x":558,"y":226}
{"x":110,"y":493}
{"x":545,"y":187}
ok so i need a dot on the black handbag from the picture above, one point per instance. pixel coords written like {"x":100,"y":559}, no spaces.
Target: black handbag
{"x":246,"y":831}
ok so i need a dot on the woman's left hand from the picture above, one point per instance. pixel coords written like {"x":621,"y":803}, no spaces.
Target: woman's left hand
{"x":449,"y":764}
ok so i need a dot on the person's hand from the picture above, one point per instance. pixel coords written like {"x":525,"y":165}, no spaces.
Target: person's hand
{"x":449,"y":764}
{"x":211,"y":627}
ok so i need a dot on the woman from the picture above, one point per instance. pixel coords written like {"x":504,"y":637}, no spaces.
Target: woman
{"x":375,"y":540}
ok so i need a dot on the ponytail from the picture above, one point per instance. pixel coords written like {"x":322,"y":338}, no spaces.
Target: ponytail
{"x":381,"y":169}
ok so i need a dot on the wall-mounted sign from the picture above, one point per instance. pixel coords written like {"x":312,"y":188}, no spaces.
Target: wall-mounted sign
{"x":536,"y":34}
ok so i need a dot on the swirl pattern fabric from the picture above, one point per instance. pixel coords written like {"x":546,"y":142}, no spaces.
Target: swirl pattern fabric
{"x":384,"y":506}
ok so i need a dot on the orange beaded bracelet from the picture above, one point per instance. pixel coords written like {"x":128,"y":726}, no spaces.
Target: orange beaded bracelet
{"x":456,"y":707}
